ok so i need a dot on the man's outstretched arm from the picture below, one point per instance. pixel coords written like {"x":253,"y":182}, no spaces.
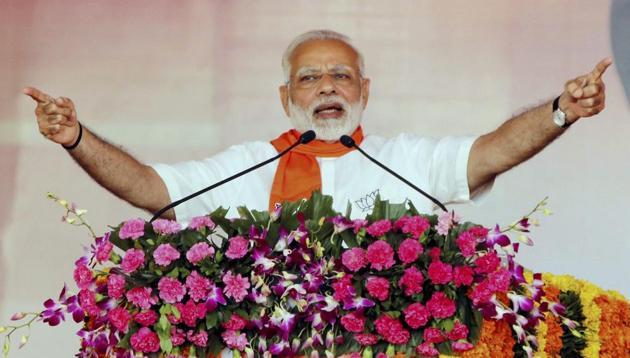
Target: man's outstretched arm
{"x":521,"y":137}
{"x":110,"y":166}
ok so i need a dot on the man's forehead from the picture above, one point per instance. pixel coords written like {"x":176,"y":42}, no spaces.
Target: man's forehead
{"x":334,"y":67}
{"x":324,"y":53}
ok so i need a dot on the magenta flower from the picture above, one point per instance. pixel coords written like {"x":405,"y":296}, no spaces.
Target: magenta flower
{"x":487,"y":263}
{"x":166,"y":227}
{"x":497,"y":237}
{"x":141,"y":297}
{"x":467,"y":243}
{"x":353,"y":322}
{"x":115,"y":286}
{"x":132,"y":229}
{"x":354,"y":259}
{"x":83,"y":276}
{"x":413,"y":225}
{"x":409,"y":250}
{"x":433,"y":335}
{"x":461,"y":346}
{"x":145,"y":340}
{"x":199,"y":222}
{"x":200,"y":339}
{"x":426,"y":349}
{"x":378,"y":287}
{"x":119,"y":318}
{"x":380,"y":255}
{"x":165,"y":254}
{"x":416,"y":315}
{"x":198,"y":252}
{"x":237,"y":248}
{"x":103,"y":248}
{"x":134,"y":259}
{"x":215,"y":297}
{"x":234,"y":340}
{"x":343,"y":288}
{"x":340,"y":224}
{"x":171,"y":290}
{"x":412,"y":281}
{"x":191,"y":312}
{"x":146,"y":318}
{"x":358,"y":224}
{"x":441,"y":306}
{"x":459,"y":331}
{"x":198,"y":286}
{"x":235,"y":286}
{"x":440,"y":273}
{"x":462,"y":276}
{"x":379,"y":228}
{"x":357,"y":303}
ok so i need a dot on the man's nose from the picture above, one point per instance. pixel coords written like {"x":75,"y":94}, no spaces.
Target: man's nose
{"x":327,"y":85}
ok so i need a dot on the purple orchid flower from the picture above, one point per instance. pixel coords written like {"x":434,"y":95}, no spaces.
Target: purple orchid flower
{"x":519,"y":301}
{"x":340,"y":224}
{"x":497,"y":237}
{"x":284,"y":321}
{"x":357,"y":303}
{"x":215,"y":297}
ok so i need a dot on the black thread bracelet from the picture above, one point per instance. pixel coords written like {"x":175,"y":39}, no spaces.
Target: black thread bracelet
{"x":74,"y":145}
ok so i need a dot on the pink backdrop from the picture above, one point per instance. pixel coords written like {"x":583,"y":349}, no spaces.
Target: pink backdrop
{"x":179,"y":80}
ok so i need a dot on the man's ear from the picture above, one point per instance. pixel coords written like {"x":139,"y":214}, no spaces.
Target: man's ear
{"x":284,"y":98}
{"x":365,"y":91}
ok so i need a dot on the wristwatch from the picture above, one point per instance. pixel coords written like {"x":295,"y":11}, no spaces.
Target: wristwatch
{"x":559,"y":117}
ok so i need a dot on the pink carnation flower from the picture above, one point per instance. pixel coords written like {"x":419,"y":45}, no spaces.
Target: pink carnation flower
{"x":115,"y":286}
{"x":132,"y":229}
{"x":426,"y":349}
{"x":433,"y":335}
{"x":200,"y":339}
{"x":416,"y":315}
{"x":378,"y":287}
{"x":380,"y":255}
{"x":165,"y":254}
{"x":500,"y":280}
{"x":358,"y":224}
{"x":103,"y":248}
{"x":461,"y":346}
{"x":171,"y":290}
{"x":441,"y":306}
{"x":198,"y":286}
{"x":235,"y":323}
{"x":198,"y":252}
{"x":467,"y":243}
{"x":235,"y":286}
{"x":146,"y":318}
{"x":166,"y":227}
{"x":409,"y":250}
{"x":178,"y":337}
{"x":238,"y":247}
{"x":134,"y":259}
{"x":119,"y":318}
{"x":379,"y":228}
{"x":83,"y":276}
{"x":487,"y":263}
{"x":199,"y":222}
{"x":354,"y":259}
{"x":141,"y":297}
{"x":343,"y":288}
{"x":353,"y":322}
{"x":87,"y":301}
{"x":145,"y":340}
{"x":234,"y":340}
{"x":446,"y":221}
{"x":462,"y":276}
{"x":191,"y":312}
{"x":366,"y":339}
{"x":440,"y":273}
{"x":459,"y":331}
{"x":412,"y":281}
{"x":481,"y":293}
{"x":392,"y":330}
{"x":413,"y":225}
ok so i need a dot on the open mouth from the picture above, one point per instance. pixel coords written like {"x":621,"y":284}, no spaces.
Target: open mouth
{"x":329,"y":110}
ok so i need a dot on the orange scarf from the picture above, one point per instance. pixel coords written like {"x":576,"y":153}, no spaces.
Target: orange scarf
{"x":298,"y":173}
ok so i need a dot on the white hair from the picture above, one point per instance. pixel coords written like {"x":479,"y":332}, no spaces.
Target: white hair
{"x":317,"y":35}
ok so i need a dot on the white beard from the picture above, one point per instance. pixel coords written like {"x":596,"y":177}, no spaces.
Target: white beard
{"x":326,"y":129}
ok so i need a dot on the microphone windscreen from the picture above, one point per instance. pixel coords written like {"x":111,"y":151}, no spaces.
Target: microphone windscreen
{"x":307,"y":136}
{"x":347,"y":141}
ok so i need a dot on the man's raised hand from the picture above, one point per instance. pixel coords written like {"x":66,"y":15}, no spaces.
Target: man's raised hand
{"x":585,"y":95}
{"x":56,"y":117}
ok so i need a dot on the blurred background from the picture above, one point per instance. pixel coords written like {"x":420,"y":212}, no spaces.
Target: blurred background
{"x":171,"y":81}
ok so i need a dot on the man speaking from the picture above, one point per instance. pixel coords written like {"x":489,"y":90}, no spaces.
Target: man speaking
{"x":326,"y":90}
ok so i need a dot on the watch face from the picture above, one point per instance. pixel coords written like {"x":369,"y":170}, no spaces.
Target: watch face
{"x":559,"y":118}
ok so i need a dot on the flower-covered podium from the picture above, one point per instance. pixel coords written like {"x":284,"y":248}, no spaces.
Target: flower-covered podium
{"x":304,"y":280}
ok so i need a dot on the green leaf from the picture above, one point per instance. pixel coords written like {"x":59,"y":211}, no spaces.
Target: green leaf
{"x":211,"y":320}
{"x":176,"y":312}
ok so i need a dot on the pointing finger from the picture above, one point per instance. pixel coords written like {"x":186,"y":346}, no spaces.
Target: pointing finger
{"x":37,"y":95}
{"x":64,"y":102}
{"x":600,"y":68}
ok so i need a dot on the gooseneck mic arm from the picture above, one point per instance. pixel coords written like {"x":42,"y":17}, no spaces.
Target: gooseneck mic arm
{"x":305,"y":138}
{"x":349,"y":142}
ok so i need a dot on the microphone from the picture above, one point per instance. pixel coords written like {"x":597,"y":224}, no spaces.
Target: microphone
{"x":349,"y":142}
{"x":305,"y":138}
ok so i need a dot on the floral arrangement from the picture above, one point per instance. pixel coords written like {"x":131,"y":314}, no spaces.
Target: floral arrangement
{"x":305,"y":280}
